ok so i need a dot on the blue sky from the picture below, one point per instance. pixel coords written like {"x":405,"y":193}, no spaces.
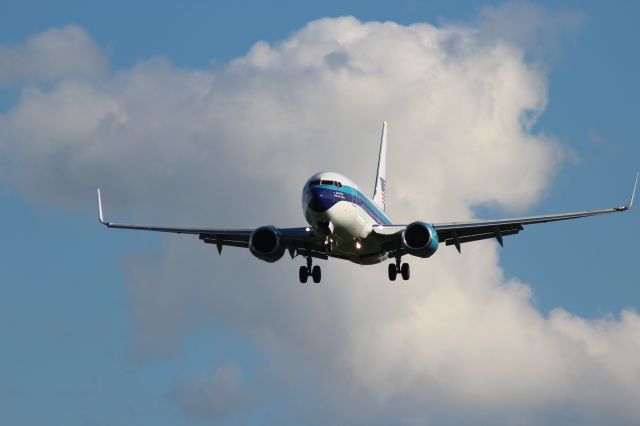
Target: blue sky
{"x":81,"y":345}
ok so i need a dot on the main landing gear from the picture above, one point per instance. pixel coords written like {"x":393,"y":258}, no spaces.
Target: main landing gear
{"x":395,"y":268}
{"x":307,"y":271}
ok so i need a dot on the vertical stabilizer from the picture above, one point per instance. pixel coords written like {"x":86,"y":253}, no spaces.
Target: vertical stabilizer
{"x":381,"y":175}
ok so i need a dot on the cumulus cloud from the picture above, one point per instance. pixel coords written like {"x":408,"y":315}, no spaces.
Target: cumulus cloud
{"x":51,"y":55}
{"x":460,"y":343}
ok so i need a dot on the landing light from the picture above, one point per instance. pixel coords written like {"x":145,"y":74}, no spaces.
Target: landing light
{"x":358,"y":245}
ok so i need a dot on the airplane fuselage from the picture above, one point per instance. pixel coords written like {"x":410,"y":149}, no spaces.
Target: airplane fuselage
{"x":336,"y":208}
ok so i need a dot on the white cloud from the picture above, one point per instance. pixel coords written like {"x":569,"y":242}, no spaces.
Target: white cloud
{"x":51,"y":55}
{"x":459,"y":343}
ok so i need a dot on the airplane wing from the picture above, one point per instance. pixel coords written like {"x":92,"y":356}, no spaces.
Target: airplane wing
{"x":299,"y":241}
{"x":456,"y":233}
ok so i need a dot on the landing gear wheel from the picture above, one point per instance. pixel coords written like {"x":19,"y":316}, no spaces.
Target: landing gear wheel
{"x":404,"y":270}
{"x":303,"y":274}
{"x":316,"y":274}
{"x":393,"y":272}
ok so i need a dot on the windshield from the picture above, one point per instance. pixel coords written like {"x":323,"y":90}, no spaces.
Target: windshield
{"x":325,"y":182}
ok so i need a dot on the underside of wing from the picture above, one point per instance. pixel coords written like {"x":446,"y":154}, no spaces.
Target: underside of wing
{"x":220,"y":237}
{"x":298,"y":241}
{"x":457,"y":233}
{"x":452,"y":235}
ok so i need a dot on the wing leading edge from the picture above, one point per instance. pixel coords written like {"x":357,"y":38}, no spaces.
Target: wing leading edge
{"x":298,"y":240}
{"x":456,"y":233}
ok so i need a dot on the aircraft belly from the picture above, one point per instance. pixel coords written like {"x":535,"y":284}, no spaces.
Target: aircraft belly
{"x":344,"y":218}
{"x":351,"y":226}
{"x":350,"y":223}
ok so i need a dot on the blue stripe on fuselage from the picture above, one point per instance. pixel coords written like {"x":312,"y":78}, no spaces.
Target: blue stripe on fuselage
{"x":328,"y":195}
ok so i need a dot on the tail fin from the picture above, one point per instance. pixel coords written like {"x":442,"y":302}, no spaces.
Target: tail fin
{"x":381,"y":175}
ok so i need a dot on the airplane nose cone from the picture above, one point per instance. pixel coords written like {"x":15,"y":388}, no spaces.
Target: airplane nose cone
{"x":320,"y":200}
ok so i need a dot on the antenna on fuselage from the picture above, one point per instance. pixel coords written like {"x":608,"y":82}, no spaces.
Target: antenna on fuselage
{"x":379,"y":193}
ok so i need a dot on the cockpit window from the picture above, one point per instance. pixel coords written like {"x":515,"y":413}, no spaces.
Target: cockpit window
{"x":331,"y":183}
{"x":325,"y":182}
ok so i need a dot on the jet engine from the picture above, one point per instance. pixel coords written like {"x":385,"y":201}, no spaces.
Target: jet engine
{"x":266,"y":244}
{"x":420,"y":239}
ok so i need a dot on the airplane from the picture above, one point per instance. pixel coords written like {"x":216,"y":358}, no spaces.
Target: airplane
{"x":344,"y":223}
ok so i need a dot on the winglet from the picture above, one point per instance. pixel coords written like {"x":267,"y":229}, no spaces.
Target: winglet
{"x":633,"y":195}
{"x":100,"y":214}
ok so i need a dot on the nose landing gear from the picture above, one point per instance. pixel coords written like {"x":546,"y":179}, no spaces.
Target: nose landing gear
{"x":308,"y":271}
{"x":395,"y":268}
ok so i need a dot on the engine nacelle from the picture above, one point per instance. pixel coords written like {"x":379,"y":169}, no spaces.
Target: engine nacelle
{"x":266,"y":244}
{"x":420,"y":239}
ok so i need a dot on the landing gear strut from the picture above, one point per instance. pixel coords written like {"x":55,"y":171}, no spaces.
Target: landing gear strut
{"x":397,"y":268}
{"x":308,"y":271}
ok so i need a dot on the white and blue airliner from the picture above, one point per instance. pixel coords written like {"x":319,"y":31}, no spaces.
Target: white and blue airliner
{"x":345,"y":223}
